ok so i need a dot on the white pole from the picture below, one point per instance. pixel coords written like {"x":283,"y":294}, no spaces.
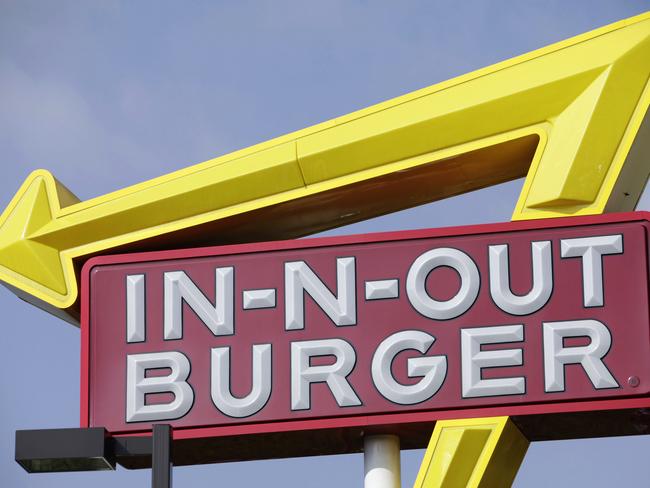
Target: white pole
{"x":381,"y":461}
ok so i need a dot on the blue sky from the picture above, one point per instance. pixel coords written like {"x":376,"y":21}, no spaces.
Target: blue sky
{"x":108,"y":94}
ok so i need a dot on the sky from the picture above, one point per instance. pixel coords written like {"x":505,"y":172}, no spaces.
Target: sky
{"x":108,"y":94}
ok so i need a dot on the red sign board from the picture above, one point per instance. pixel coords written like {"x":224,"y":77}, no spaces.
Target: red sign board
{"x":369,"y":330}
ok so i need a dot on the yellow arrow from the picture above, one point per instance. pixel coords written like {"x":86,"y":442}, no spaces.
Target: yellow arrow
{"x":472,"y":453}
{"x":570,"y":115}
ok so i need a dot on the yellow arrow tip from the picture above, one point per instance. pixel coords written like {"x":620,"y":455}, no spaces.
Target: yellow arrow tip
{"x":32,"y":267}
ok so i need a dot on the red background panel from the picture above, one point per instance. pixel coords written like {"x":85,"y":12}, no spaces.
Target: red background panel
{"x":379,"y":256}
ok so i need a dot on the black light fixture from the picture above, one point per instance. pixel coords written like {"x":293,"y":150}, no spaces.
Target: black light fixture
{"x":56,"y":450}
{"x":60,"y":450}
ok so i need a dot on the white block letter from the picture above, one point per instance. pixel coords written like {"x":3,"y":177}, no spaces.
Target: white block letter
{"x":432,"y":369}
{"x":542,"y":286}
{"x":138,"y":385}
{"x":135,"y":308}
{"x":299,"y":278}
{"x":219,"y":317}
{"x":417,"y":276}
{"x":335,"y":375}
{"x":592,"y":249}
{"x":556,"y":356}
{"x":220,"y":382}
{"x":473,"y":360}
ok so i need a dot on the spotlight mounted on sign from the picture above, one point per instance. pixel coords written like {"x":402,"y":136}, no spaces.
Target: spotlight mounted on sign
{"x":92,"y":449}
{"x":58,"y":450}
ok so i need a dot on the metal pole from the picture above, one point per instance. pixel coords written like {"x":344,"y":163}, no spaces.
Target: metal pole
{"x":381,"y":461}
{"x":161,"y":460}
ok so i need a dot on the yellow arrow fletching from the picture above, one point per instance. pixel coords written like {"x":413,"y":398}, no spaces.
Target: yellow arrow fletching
{"x":569,"y":116}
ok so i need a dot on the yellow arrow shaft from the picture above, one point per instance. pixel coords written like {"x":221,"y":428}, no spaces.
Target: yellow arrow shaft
{"x":189,"y":196}
{"x":406,"y":127}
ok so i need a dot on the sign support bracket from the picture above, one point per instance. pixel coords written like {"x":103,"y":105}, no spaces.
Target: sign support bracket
{"x":381,"y":461}
{"x":161,"y":460}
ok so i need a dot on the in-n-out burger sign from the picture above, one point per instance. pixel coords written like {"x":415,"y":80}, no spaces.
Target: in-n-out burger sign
{"x":362,"y":326}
